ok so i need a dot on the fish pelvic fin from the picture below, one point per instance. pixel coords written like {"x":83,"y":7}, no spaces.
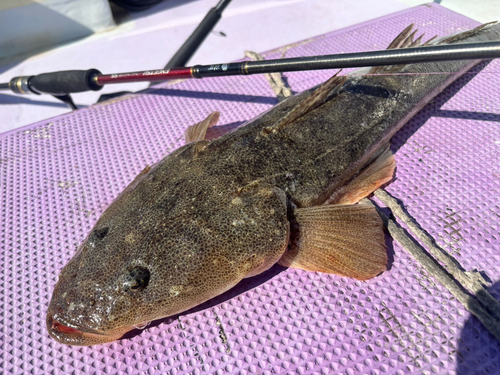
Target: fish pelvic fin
{"x":318,"y":97}
{"x":197,"y":132}
{"x":346,"y":240}
{"x":376,"y":174}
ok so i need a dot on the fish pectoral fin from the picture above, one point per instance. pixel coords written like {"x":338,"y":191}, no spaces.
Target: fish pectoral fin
{"x":198,"y":131}
{"x":317,"y":98}
{"x":347,"y":240}
{"x":379,"y":172}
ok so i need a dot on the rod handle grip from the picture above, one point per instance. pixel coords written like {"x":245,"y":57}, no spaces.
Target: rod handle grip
{"x":65,"y":82}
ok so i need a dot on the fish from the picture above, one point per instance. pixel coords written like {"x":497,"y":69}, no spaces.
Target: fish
{"x":284,"y":188}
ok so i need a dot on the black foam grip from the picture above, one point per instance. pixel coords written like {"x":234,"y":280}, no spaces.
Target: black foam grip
{"x":65,"y":82}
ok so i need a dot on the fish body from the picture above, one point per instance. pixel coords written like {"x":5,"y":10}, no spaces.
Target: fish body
{"x":282,"y":188}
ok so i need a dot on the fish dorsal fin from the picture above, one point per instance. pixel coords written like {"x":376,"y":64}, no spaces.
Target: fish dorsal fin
{"x":403,"y":40}
{"x":198,"y":131}
{"x":376,"y":174}
{"x":429,"y":41}
{"x":347,"y":240}
{"x":317,"y":98}
{"x":466,"y":34}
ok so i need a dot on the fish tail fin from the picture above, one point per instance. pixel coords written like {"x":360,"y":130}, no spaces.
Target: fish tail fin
{"x":376,"y":174}
{"x":347,"y":240}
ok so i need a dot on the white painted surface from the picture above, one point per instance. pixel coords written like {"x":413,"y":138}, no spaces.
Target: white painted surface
{"x":147,"y":40}
{"x":480,"y":10}
{"x":31,"y":25}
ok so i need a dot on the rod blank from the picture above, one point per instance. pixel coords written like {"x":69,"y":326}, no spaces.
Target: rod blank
{"x":465,"y":51}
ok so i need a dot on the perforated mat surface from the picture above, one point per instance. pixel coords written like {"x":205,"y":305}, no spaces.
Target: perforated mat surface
{"x":57,"y":176}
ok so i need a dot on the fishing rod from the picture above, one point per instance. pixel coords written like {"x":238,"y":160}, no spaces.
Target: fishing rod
{"x":181,"y":57}
{"x":190,"y":46}
{"x":61,"y":83}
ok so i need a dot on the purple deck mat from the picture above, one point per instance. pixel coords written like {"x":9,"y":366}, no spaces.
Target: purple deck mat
{"x":57,"y":176}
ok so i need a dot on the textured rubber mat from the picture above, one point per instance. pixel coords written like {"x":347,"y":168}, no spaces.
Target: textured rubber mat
{"x":57,"y":176}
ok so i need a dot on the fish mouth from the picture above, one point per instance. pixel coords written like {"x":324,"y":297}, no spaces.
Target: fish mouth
{"x":65,"y":334}
{"x":58,"y":327}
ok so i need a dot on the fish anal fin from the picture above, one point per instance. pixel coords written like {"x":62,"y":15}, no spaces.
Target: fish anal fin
{"x":379,"y":172}
{"x":317,"y":98}
{"x":198,"y":131}
{"x":347,"y":240}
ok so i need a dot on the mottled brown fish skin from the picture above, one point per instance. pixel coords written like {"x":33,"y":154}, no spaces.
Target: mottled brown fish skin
{"x":214,"y":212}
{"x":198,"y":234}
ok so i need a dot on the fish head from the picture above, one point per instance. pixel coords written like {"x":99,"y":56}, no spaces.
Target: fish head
{"x":146,"y":261}
{"x":101,"y":293}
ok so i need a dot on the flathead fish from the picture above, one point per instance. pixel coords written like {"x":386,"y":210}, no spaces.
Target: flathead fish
{"x":282,"y":189}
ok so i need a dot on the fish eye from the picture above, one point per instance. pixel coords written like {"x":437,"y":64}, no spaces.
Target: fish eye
{"x":137,"y":279}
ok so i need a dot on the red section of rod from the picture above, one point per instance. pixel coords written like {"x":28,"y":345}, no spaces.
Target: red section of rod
{"x":147,"y":75}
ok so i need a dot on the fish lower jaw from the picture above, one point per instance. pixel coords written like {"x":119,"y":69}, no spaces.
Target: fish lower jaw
{"x":60,"y":324}
{"x":56,"y":326}
{"x":65,"y":334}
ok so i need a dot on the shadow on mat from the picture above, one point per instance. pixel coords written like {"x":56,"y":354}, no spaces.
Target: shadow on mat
{"x":433,"y":109}
{"x":13,"y":99}
{"x":213,"y":96}
{"x":389,"y":241}
{"x":466,"y":115}
{"x":478,"y":350}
